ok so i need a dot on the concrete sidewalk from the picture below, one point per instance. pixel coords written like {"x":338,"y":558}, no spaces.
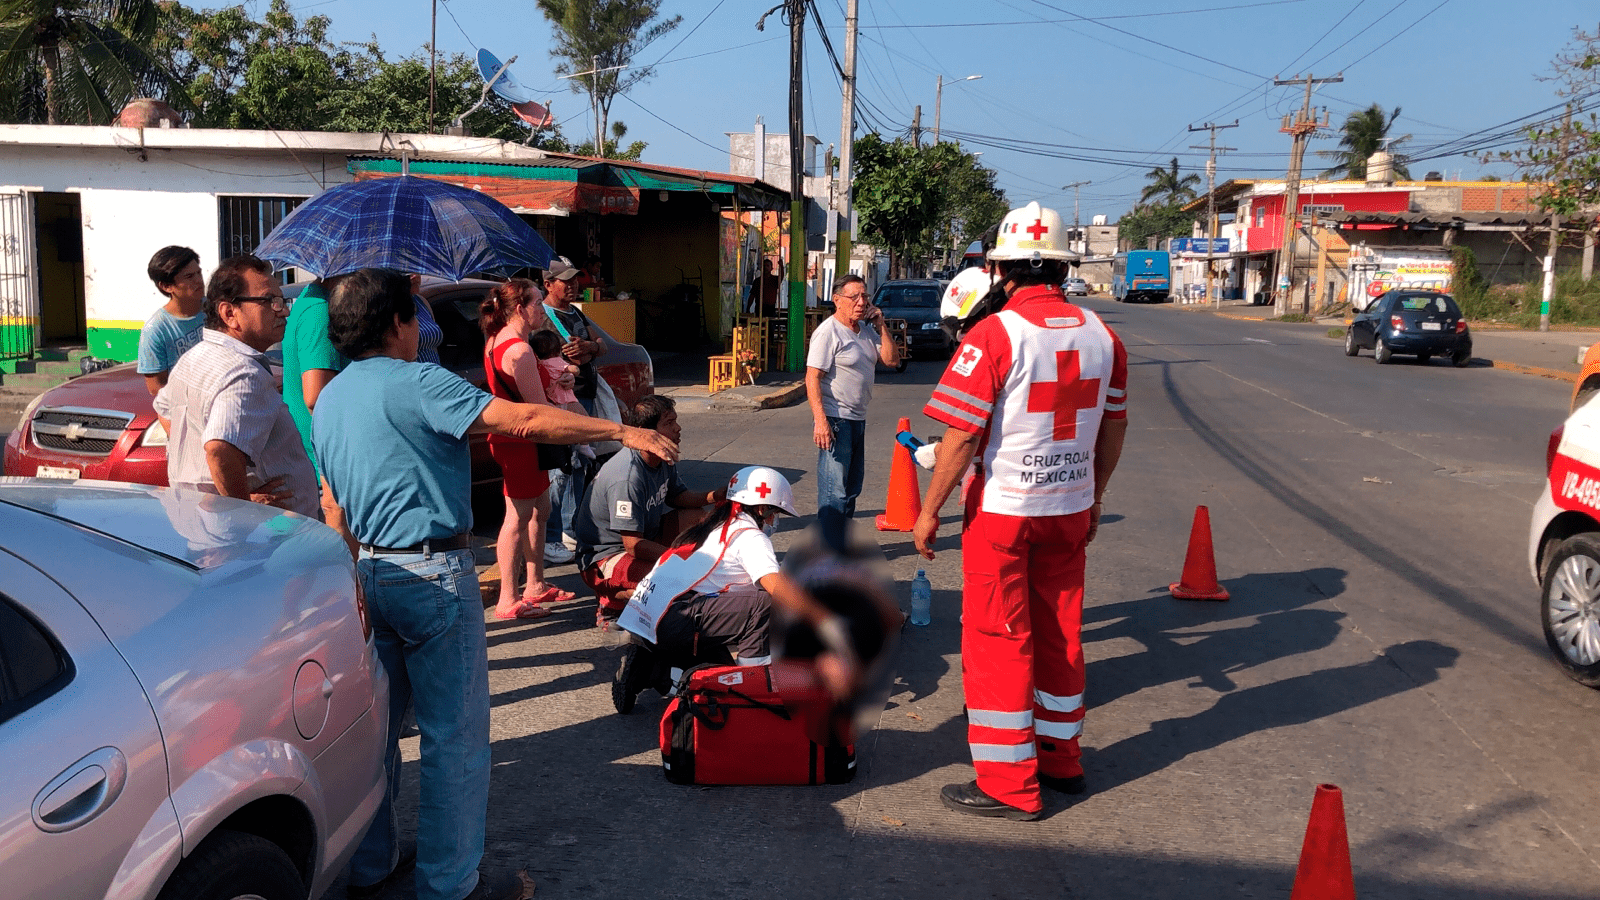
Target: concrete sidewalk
{"x":1557,"y":353}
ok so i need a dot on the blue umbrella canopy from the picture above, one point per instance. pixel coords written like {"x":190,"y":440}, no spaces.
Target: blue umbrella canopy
{"x":407,"y":223}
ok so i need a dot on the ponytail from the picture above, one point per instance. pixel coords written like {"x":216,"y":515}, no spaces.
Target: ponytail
{"x":502,"y":300}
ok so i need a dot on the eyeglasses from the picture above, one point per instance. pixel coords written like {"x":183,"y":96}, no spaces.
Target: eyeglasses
{"x":278,"y":304}
{"x":852,"y":297}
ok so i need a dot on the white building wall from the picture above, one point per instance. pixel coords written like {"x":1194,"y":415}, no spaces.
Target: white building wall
{"x":133,"y":207}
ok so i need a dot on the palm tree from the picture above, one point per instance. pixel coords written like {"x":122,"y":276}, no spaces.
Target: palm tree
{"x":86,"y":57}
{"x":1364,"y":133}
{"x":1169,"y":184}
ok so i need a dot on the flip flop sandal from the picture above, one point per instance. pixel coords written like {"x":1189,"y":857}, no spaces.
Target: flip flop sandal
{"x":525,"y":609}
{"x":552,"y":594}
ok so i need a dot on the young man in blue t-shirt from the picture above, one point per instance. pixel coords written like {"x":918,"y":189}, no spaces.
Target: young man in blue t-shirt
{"x":175,"y":326}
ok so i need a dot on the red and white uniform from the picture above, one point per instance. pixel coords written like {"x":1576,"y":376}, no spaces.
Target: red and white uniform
{"x":1034,"y":381}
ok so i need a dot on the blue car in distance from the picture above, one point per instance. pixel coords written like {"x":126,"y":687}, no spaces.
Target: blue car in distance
{"x":1423,"y":324}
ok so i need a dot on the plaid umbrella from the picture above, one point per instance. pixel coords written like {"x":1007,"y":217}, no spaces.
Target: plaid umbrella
{"x":407,"y":223}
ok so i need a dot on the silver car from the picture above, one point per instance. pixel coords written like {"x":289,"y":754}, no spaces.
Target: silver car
{"x":189,"y":701}
{"x":1075,"y":286}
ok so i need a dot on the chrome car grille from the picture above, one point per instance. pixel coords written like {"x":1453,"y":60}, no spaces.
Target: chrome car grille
{"x":90,"y":432}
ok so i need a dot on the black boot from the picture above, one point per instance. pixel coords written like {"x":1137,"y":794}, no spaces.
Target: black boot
{"x":970,"y":799}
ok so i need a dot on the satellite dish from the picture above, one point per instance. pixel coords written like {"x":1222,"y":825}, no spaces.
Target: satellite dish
{"x":498,"y":76}
{"x":533,"y":114}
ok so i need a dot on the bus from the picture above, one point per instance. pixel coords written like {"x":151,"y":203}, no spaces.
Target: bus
{"x":1141,"y":275}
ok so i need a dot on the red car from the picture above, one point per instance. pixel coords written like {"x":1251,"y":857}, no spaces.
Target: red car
{"x":102,"y":425}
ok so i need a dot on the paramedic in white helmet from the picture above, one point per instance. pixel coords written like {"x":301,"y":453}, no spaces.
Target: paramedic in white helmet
{"x":1037,"y":393}
{"x":715,"y":588}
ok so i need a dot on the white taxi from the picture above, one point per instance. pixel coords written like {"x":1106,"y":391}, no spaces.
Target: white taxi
{"x":1564,"y":545}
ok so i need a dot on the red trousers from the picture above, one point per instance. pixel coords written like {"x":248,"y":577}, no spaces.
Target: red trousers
{"x":1021,"y":649}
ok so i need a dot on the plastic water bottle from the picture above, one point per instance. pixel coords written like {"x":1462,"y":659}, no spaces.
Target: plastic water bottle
{"x":921,"y":599}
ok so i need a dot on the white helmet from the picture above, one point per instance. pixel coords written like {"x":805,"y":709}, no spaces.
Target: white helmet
{"x":962,"y":296}
{"x":1033,"y":232}
{"x":760,"y":486}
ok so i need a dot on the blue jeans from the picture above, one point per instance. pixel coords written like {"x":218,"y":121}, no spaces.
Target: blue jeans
{"x":840,"y":470}
{"x":566,"y":492}
{"x":427,"y":620}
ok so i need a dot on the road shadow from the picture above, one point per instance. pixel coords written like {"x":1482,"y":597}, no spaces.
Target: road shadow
{"x":1289,"y":701}
{"x":1203,"y":643}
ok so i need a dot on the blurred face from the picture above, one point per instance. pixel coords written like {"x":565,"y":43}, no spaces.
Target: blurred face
{"x":852,"y":303}
{"x":188,"y":288}
{"x":257,"y":317}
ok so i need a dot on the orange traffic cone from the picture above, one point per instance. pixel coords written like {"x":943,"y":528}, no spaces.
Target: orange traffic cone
{"x":1324,"y":869}
{"x":1199,"y":564}
{"x":904,"y":502}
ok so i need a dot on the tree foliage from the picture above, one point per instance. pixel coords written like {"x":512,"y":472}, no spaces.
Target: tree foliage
{"x":1168,"y":186}
{"x":1153,"y":220}
{"x":1365,"y":132}
{"x":594,"y":35}
{"x":1564,"y":154}
{"x":909,"y":198}
{"x":75,"y":62}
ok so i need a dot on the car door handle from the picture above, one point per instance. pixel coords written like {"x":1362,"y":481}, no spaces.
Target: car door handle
{"x":83,"y":791}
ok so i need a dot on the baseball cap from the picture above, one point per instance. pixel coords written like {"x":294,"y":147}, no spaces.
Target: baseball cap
{"x":562,"y":268}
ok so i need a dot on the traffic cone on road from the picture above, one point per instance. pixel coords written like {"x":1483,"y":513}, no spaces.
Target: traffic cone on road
{"x":904,"y":503}
{"x":1199,"y":564}
{"x":1324,"y":869}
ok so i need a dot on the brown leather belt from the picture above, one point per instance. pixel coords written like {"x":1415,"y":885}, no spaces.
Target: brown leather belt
{"x":432,"y":545}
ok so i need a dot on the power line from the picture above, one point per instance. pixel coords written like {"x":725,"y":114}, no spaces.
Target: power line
{"x":1166,"y":14}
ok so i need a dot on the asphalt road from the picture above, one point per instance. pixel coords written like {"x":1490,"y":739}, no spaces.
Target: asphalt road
{"x":1371,"y":525}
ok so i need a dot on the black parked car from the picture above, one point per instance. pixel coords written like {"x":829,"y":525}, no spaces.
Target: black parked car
{"x":1420,"y":323}
{"x":918,"y":303}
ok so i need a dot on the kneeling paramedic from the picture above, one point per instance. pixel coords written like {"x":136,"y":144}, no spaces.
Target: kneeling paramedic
{"x":710,"y":597}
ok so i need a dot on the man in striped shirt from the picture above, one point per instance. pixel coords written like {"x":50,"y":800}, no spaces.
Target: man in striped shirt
{"x":1037,"y":393}
{"x":231,"y":431}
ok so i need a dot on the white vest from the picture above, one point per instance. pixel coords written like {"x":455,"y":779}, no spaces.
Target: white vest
{"x":1039,"y":460}
{"x":673,"y":576}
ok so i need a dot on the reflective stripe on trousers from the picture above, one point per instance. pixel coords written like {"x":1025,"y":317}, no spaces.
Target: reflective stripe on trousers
{"x":1022,"y":658}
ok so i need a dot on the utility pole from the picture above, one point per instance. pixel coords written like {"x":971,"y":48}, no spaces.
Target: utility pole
{"x":916,"y":128}
{"x":794,"y":343}
{"x":1301,"y":126}
{"x":1211,"y":195}
{"x":847,"y":137}
{"x":433,"y":61}
{"x":1075,"y":185}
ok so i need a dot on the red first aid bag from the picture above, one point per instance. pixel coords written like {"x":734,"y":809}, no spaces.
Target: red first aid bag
{"x":732,"y":725}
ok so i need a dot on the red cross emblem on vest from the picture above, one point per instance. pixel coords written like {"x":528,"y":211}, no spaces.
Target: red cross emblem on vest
{"x":1065,"y":396}
{"x":969,"y":355}
{"x":763,"y":490}
{"x":1037,"y":228}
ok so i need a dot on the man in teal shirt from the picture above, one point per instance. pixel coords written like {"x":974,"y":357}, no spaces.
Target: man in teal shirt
{"x":310,"y":360}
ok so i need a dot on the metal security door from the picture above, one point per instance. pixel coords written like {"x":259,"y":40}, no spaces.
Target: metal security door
{"x":18,"y":308}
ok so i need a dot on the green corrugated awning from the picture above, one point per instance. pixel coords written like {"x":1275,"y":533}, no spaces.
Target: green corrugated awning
{"x":750,"y":194}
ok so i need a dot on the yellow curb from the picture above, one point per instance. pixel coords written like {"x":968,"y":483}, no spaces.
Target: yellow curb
{"x":1557,"y":374}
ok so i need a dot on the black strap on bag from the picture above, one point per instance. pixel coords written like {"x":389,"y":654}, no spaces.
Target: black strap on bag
{"x":551,"y":456}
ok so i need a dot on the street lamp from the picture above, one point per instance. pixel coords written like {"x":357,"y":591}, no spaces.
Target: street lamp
{"x":938,"y":93}
{"x":1075,"y":185}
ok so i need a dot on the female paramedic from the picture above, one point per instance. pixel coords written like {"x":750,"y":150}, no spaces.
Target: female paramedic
{"x":710,"y":597}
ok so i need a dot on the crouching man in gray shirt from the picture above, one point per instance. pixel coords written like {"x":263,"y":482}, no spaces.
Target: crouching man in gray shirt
{"x":633,"y":510}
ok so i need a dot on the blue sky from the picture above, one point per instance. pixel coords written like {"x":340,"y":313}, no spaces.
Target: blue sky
{"x":1071,"y":90}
